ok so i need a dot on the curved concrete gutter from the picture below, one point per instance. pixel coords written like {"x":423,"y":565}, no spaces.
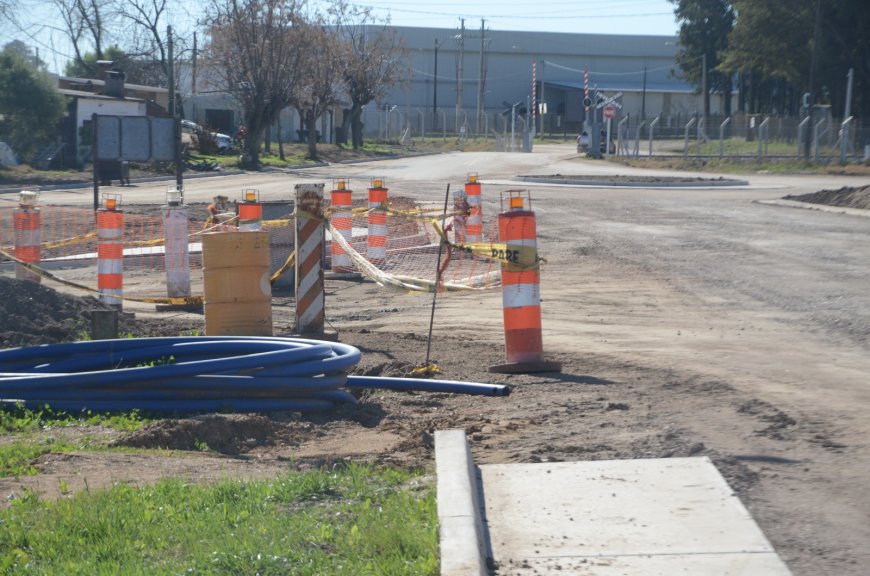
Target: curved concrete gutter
{"x":635,"y":183}
{"x":463,"y":547}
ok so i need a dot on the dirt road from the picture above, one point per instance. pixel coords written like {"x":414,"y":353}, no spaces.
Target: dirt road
{"x":688,"y":321}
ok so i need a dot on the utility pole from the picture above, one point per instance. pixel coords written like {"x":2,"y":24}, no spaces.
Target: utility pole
{"x":811,"y":99}
{"x":643,"y":97}
{"x":482,"y":80}
{"x":706,"y":92}
{"x":435,"y":91}
{"x":173,"y":107}
{"x":193,"y":68}
{"x":460,"y":57}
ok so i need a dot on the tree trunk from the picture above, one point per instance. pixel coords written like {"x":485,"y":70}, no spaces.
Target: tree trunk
{"x":356,"y":125}
{"x":311,"y":125}
{"x":268,"y":141}
{"x":251,"y":154}
{"x":280,"y":140}
{"x":727,"y":88}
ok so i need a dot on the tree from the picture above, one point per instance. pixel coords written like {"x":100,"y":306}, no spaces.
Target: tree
{"x":374,"y":60}
{"x":256,"y":48}
{"x":704,"y":29}
{"x":23,"y":50}
{"x":771,"y":43}
{"x":86,"y":23}
{"x":321,"y":78}
{"x":29,"y":105}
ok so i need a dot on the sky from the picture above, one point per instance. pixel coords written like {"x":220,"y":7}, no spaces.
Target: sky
{"x":583,"y":16}
{"x":656,"y":17}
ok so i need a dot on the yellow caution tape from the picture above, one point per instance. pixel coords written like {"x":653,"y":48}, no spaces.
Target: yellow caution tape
{"x":516,"y":256}
{"x":176,"y":301}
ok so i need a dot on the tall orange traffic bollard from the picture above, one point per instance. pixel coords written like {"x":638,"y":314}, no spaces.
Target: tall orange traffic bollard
{"x":250,"y":211}
{"x":27,"y":228}
{"x":474,"y":220}
{"x":376,"y":249}
{"x":110,"y":251}
{"x":342,"y":221}
{"x":521,"y":295}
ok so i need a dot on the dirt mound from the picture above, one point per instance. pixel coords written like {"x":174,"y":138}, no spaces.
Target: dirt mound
{"x":846,"y":197}
{"x":32,"y":314}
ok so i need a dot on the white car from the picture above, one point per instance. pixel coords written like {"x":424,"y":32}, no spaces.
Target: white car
{"x":222,"y":141}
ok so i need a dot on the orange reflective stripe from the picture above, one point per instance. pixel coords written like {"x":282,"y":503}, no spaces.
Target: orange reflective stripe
{"x":519,"y":225}
{"x":472,"y":189}
{"x":342,"y":222}
{"x":250,"y":211}
{"x":28,"y":253}
{"x":110,"y":281}
{"x":110,"y":219}
{"x":27,"y":221}
{"x":531,"y":276}
{"x":523,"y":318}
{"x":378,"y":195}
{"x":377,"y":241}
{"x":377,"y":218}
{"x":111,"y":251}
{"x":342,"y":198}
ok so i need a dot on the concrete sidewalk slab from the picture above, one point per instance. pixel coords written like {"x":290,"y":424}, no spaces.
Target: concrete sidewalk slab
{"x":632,"y":517}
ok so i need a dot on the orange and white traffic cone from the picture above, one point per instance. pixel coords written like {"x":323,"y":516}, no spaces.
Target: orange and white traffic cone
{"x":521,"y":296}
{"x":474,"y":220}
{"x":110,"y":251}
{"x":376,"y":249}
{"x":342,"y":221}
{"x":27,"y":228}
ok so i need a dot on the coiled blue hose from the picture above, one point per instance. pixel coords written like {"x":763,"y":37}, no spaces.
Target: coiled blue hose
{"x":197,"y":374}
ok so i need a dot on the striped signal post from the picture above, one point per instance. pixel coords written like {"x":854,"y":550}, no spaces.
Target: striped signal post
{"x":376,"y":248}
{"x":474,"y":221}
{"x":342,"y":221}
{"x":521,"y":294}
{"x":110,"y":251}
{"x":310,"y":242}
{"x":176,"y":251}
{"x":27,"y":229}
{"x":250,"y":211}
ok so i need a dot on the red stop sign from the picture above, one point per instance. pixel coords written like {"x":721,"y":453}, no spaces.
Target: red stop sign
{"x":609,"y":112}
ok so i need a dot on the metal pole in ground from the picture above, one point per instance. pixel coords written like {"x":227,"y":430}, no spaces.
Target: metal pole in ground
{"x":722,"y":127}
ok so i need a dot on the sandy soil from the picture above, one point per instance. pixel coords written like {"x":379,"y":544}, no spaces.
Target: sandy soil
{"x":603,"y":405}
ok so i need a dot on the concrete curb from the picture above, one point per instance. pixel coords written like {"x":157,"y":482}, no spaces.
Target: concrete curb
{"x":77,"y":185}
{"x":819,"y":207}
{"x":636,"y":183}
{"x":463,"y":549}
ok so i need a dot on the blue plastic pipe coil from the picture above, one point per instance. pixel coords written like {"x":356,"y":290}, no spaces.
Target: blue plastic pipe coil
{"x":198,"y":374}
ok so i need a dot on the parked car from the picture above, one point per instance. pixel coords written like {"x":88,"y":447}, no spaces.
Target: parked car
{"x":583,"y":144}
{"x":222,"y":141}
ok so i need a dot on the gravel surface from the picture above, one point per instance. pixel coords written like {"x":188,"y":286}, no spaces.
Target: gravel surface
{"x":688,"y":322}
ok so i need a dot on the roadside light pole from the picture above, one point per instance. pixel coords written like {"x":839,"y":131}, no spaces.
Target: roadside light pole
{"x":811,"y":99}
{"x":435,"y":90}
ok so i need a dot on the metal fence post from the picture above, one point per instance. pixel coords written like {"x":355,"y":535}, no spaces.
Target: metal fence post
{"x":637,"y":139}
{"x":844,"y":138}
{"x":689,"y":125}
{"x":621,"y":137}
{"x":652,"y":127}
{"x":722,"y":127}
{"x":800,"y":135}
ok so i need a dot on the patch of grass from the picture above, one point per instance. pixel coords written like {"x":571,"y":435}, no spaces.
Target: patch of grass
{"x":354,"y":520}
{"x":16,"y":458}
{"x":743,"y":166}
{"x":17,"y":418}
